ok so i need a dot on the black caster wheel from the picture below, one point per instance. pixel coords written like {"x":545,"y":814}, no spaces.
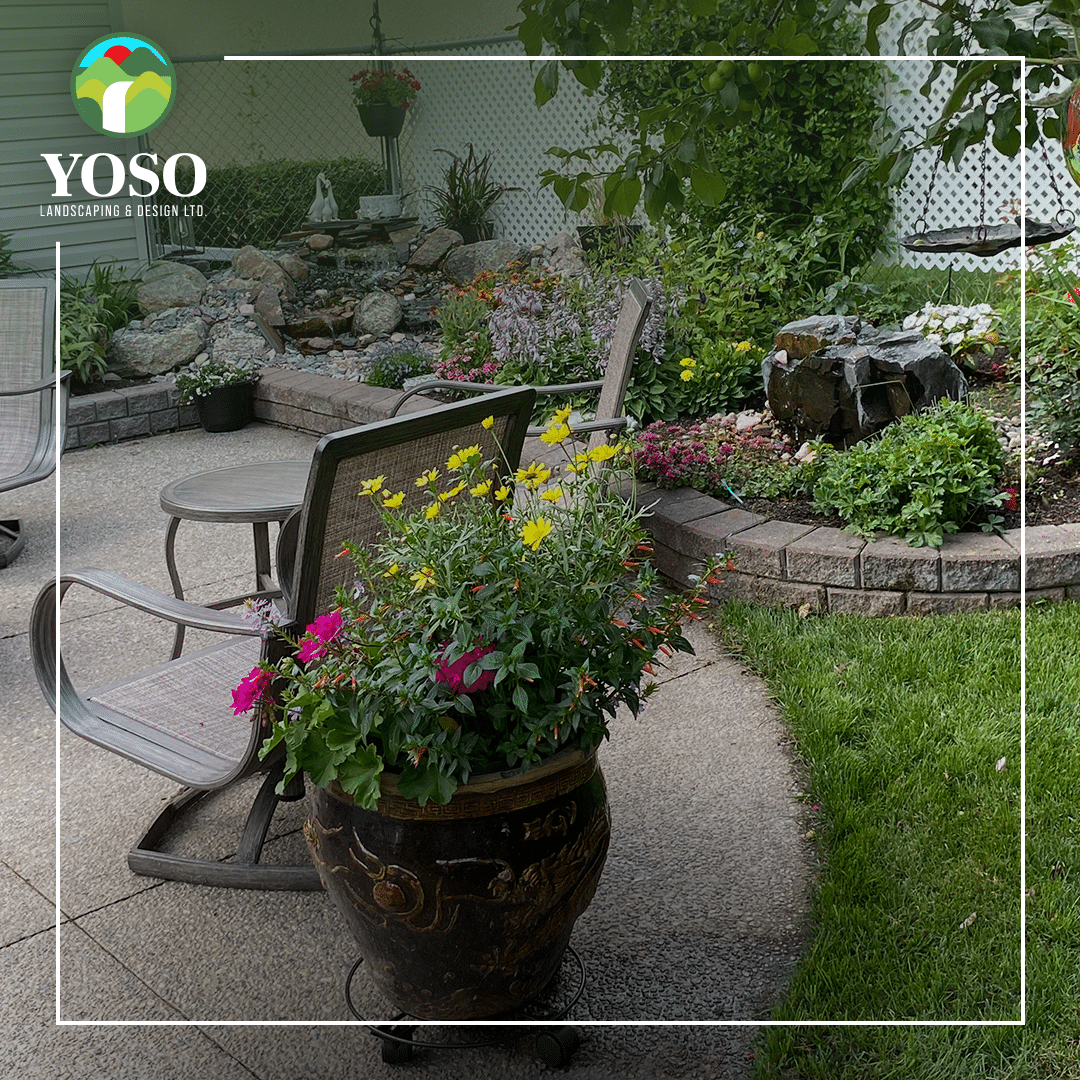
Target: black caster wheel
{"x":395,"y":1051}
{"x":557,"y":1046}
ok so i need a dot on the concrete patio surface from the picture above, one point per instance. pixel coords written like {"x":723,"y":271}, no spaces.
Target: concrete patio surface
{"x":700,"y":914}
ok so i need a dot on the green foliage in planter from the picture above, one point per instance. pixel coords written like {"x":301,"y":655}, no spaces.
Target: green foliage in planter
{"x":91,"y":311}
{"x":924,"y":476}
{"x":255,"y":204}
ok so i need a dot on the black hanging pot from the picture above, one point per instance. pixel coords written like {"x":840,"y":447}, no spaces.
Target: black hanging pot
{"x":382,"y":120}
{"x":226,"y":408}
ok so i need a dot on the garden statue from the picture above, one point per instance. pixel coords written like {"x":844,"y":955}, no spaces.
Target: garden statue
{"x":323,"y":208}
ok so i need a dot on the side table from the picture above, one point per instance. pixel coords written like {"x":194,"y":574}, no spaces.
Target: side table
{"x":259,"y":493}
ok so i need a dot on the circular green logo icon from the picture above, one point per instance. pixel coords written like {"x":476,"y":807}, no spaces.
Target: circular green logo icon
{"x":123,"y":85}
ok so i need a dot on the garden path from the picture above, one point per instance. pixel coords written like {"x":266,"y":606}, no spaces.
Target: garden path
{"x":700,"y":913}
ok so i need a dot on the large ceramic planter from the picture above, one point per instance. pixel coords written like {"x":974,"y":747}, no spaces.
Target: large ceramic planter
{"x":382,"y":120}
{"x":463,"y":911}
{"x":226,"y":408}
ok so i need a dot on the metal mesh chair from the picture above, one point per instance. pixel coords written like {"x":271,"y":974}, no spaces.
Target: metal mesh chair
{"x":612,"y":387}
{"x":28,"y":385}
{"x":176,"y":718}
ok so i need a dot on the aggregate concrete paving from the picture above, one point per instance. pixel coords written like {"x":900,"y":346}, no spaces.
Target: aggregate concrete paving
{"x":700,"y":914}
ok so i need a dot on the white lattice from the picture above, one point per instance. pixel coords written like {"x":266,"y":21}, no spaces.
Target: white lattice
{"x":302,"y":109}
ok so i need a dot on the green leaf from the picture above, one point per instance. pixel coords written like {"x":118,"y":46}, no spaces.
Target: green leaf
{"x":547,"y":82}
{"x":625,"y":196}
{"x":874,"y":19}
{"x":729,"y":96}
{"x":520,"y":699}
{"x":702,"y":9}
{"x":708,"y":186}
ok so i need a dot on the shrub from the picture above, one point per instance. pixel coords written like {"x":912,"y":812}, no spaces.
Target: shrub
{"x":924,"y":476}
{"x":394,"y":362}
{"x":721,"y":375}
{"x":91,"y":310}
{"x":255,"y":204}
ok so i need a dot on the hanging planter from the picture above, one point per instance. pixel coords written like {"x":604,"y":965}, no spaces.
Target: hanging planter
{"x":382,"y":120}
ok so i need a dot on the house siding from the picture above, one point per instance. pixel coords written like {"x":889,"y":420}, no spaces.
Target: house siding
{"x":39,"y":43}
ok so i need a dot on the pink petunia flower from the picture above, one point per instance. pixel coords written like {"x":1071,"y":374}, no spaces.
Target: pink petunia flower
{"x":252,"y":689}
{"x":453,"y":675}
{"x":319,"y":633}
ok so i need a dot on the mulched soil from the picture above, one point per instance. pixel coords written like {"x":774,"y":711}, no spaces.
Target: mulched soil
{"x":1054,"y":499}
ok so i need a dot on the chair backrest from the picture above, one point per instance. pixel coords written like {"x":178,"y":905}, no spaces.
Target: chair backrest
{"x":400,"y":449}
{"x":624,"y":343}
{"x":27,"y":420}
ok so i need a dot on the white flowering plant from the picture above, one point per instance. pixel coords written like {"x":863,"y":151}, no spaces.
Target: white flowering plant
{"x":504,"y":620}
{"x":960,"y":331}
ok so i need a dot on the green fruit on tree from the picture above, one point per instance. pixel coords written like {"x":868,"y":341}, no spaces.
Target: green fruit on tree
{"x":753,"y":70}
{"x":714,"y":80}
{"x":726,"y":68}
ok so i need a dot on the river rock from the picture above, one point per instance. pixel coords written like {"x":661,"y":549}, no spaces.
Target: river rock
{"x":378,"y":313}
{"x":464,"y":263}
{"x":249,"y":262}
{"x":839,"y":379}
{"x":435,"y":247}
{"x":294,"y":266}
{"x":136,"y":354}
{"x":171,"y":285}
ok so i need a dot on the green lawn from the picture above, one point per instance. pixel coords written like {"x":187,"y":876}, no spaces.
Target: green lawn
{"x":901,"y":724}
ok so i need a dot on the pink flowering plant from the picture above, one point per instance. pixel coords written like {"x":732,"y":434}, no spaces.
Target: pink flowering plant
{"x":503,"y":617}
{"x":373,"y":86}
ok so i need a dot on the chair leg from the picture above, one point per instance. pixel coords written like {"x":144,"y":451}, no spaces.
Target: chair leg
{"x":245,"y":872}
{"x":12,"y":541}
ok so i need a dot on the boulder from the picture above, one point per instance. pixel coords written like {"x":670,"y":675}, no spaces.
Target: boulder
{"x":294,"y":266}
{"x":171,"y":285}
{"x":136,"y":354}
{"x":562,"y":254}
{"x":436,"y":246}
{"x":239,"y":346}
{"x":268,"y":305}
{"x":842,"y":380}
{"x":249,"y":262}
{"x":464,"y":263}
{"x":319,"y":241}
{"x":378,"y":313}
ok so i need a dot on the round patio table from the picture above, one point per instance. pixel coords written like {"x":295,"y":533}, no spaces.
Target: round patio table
{"x":259,"y":493}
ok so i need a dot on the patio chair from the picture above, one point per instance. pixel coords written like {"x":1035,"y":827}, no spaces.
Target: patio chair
{"x":176,"y":718}
{"x":612,"y":387}
{"x":28,"y":387}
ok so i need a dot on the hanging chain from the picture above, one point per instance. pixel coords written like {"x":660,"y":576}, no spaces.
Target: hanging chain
{"x":922,"y":219}
{"x":1064,"y":216}
{"x":982,"y":192}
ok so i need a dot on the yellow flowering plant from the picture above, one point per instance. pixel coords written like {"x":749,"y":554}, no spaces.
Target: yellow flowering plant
{"x":502,"y":618}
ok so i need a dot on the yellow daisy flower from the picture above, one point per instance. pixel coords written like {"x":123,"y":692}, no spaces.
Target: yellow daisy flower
{"x":532,"y":532}
{"x":429,"y":477}
{"x":392,"y":571}
{"x":503,"y":493}
{"x":372,"y":487}
{"x":603,"y":453}
{"x":552,"y":496}
{"x":533,"y":476}
{"x":422,"y":578}
{"x":742,"y":346}
{"x":457,"y":489}
{"x":555,"y":434}
{"x":480,"y":489}
{"x":488,"y":422}
{"x":688,"y":361}
{"x":432,"y":511}
{"x":686,"y":375}
{"x":394,"y":501}
{"x":461,"y":458}
{"x":562,"y":415}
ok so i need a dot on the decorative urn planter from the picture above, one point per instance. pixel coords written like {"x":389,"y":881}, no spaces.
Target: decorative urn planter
{"x":226,"y":408}
{"x":463,"y":911}
{"x":382,"y":120}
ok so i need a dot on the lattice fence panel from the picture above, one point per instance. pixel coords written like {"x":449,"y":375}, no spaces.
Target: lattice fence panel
{"x":236,"y":112}
{"x":957,"y":194}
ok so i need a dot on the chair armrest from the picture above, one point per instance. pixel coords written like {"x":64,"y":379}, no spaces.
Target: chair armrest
{"x":490,"y":388}
{"x":48,"y":383}
{"x":44,"y":641}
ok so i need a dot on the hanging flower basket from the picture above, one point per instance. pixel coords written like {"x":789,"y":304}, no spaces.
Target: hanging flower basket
{"x":382,"y":120}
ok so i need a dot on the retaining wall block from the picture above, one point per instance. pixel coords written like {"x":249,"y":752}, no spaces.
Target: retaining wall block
{"x":761,"y":549}
{"x":892,"y":563}
{"x":1053,"y":556}
{"x":866,"y":602}
{"x":941,"y":603}
{"x":828,"y":556}
{"x":770,"y":591}
{"x":709,"y":536}
{"x":979,"y":562}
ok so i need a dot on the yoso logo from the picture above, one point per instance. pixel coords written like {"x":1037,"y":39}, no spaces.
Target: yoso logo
{"x":122,"y":85}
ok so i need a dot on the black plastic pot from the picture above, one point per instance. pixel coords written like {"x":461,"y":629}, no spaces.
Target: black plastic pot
{"x":385,"y":120}
{"x":606,"y":237}
{"x":227,"y":408}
